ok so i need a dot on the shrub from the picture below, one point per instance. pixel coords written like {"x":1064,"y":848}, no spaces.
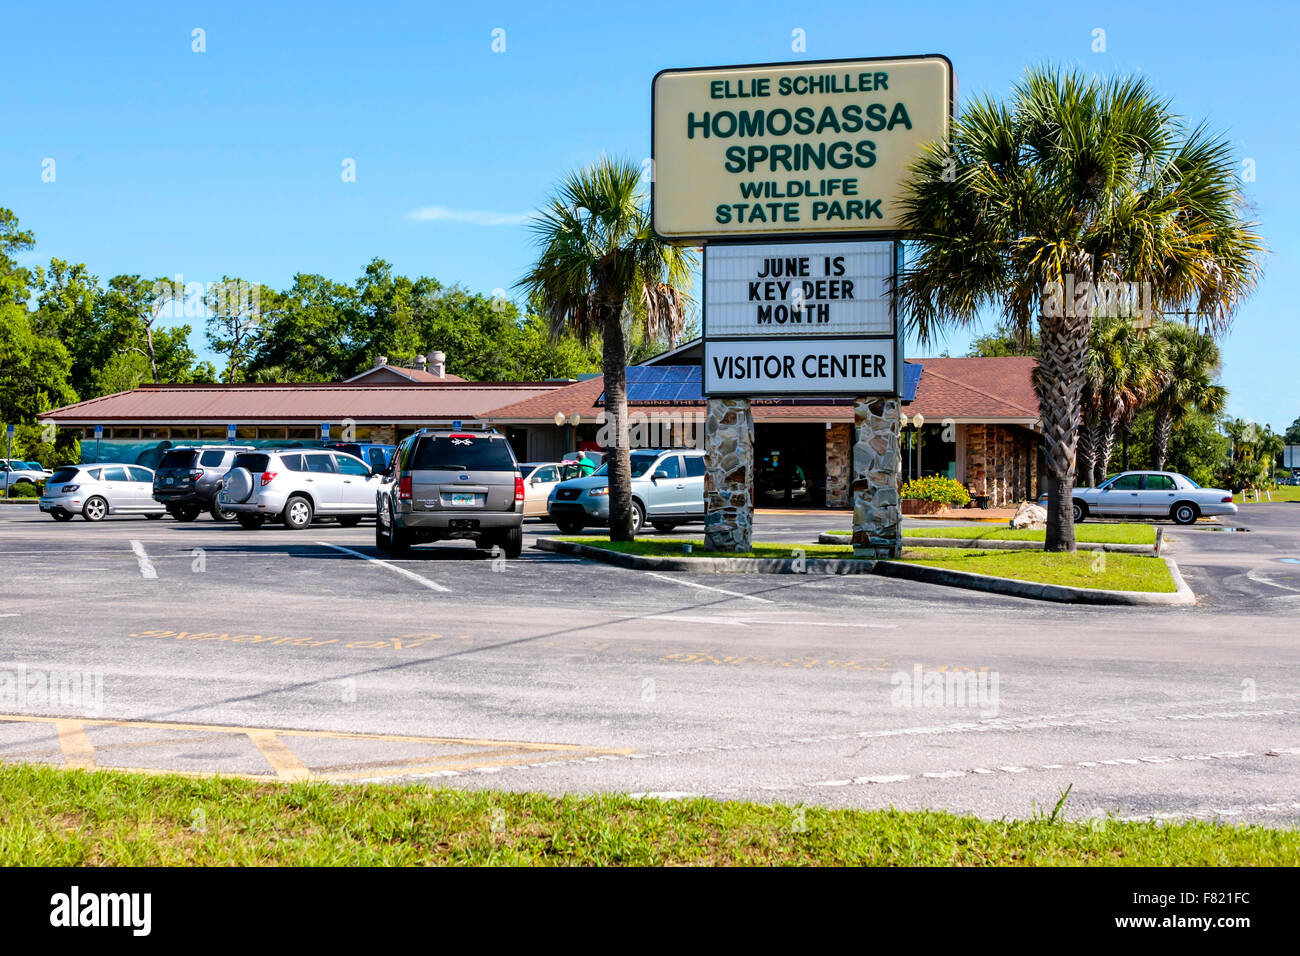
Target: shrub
{"x":24,"y":489}
{"x":939,"y":489}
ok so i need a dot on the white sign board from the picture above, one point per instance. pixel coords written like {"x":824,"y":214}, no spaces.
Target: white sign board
{"x":799,"y":289}
{"x":820,"y":366}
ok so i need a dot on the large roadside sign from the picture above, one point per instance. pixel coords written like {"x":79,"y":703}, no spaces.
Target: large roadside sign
{"x":792,"y":149}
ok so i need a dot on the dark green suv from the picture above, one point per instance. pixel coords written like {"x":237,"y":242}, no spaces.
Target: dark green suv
{"x":451,"y":484}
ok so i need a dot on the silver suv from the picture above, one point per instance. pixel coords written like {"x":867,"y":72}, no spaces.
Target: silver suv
{"x":667,"y":490}
{"x":295,"y":485}
{"x":451,"y":484}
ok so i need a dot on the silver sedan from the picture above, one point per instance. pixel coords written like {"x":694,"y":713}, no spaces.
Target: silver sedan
{"x":1152,"y":494}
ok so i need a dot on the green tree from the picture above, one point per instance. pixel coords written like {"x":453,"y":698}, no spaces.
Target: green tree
{"x":1125,"y":369}
{"x":1293,"y":433}
{"x":1198,"y":448}
{"x":1189,"y":386}
{"x":1076,"y":181}
{"x":600,"y":258}
{"x":1004,"y":340}
{"x":235,"y":322}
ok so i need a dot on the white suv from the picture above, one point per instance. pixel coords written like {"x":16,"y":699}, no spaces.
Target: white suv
{"x":295,"y":485}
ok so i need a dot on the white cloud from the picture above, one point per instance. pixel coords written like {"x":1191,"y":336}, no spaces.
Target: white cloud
{"x":473,"y":216}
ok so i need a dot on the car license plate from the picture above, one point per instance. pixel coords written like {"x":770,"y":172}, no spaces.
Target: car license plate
{"x":168,"y":481}
{"x":460,"y":499}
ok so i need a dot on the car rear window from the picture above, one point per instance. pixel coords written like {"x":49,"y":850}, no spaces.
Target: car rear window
{"x":469,"y":452}
{"x":251,"y":462}
{"x":211,"y":459}
{"x":178,"y":459}
{"x":62,"y":475}
{"x":694,"y":466}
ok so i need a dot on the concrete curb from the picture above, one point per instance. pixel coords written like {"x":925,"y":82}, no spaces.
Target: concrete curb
{"x":994,"y":544}
{"x":893,"y":569}
{"x":709,"y":565}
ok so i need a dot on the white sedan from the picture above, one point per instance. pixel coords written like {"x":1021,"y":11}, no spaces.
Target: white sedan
{"x":539,"y":478}
{"x":1152,"y":494}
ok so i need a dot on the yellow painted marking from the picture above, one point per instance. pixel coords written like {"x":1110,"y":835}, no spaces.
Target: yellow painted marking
{"x":78,"y":754}
{"x":283,"y":761}
{"x":287,"y":766}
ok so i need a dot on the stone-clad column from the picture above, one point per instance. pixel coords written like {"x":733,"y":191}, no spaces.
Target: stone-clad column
{"x":877,"y":466}
{"x":728,"y":475}
{"x":839,"y":448}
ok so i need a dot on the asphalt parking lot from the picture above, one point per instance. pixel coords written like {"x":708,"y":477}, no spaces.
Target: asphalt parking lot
{"x":207,"y":648}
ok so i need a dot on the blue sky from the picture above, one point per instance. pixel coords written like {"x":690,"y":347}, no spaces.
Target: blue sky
{"x":229,"y":162}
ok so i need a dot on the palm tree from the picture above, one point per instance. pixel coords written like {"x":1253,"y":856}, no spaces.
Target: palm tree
{"x":1075,"y":181}
{"x":601,"y":264}
{"x":1126,"y":368}
{"x":1193,"y":364}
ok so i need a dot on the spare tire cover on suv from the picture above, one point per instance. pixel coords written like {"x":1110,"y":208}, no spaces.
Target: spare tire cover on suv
{"x":238,"y":484}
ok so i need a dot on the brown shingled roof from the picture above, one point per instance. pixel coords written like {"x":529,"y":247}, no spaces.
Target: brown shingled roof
{"x":414,"y":402}
{"x":979,"y":389}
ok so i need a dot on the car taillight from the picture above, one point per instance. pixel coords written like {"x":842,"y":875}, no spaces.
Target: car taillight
{"x":519,"y":488}
{"x":69,"y":489}
{"x":1227,"y":500}
{"x":404,"y":487}
{"x":197,"y":475}
{"x":268,"y":477}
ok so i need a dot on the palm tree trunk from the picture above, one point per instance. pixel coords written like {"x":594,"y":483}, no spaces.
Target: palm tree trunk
{"x":1161,"y":430}
{"x":1105,"y":447}
{"x":1064,"y":346}
{"x":614,"y":363}
{"x":1087,"y":451}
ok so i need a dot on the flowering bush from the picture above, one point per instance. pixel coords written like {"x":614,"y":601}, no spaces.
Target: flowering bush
{"x":943,"y":490}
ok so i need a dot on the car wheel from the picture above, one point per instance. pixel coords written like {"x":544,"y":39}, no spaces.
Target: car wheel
{"x":638,"y":517}
{"x":61,"y":515}
{"x":214,"y":509}
{"x":153,"y":516}
{"x":664,"y":526}
{"x":185,"y":512}
{"x":382,"y":539}
{"x":512,"y":542}
{"x":94,"y":509}
{"x":250,"y":522}
{"x":398,"y":542}
{"x":297,"y":513}
{"x":1184,"y":512}
{"x":569,"y":527}
{"x":1080,"y":511}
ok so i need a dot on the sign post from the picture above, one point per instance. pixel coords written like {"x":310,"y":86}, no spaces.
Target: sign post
{"x":9,"y":453}
{"x":792,"y":176}
{"x":99,"y":433}
{"x":230,"y":432}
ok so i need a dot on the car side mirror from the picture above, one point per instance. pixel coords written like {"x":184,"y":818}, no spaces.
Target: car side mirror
{"x":660,"y":474}
{"x":535,"y":480}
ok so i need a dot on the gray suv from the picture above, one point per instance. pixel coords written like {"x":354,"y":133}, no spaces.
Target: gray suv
{"x":451,"y":484}
{"x":188,"y":478}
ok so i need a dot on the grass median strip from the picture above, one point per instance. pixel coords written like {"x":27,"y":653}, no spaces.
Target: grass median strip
{"x":108,"y":818}
{"x":1082,"y":569}
{"x":1083,"y":533}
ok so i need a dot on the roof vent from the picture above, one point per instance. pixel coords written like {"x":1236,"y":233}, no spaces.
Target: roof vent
{"x":438,"y":364}
{"x":421,"y":362}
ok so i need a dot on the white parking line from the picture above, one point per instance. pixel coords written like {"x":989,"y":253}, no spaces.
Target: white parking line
{"x":433,"y":585}
{"x":705,"y":587}
{"x":142,"y":559}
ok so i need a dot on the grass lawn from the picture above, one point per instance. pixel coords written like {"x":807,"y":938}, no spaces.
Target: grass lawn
{"x":1083,"y":569}
{"x":56,"y":817}
{"x":1083,"y":533}
{"x":1283,"y":493}
{"x":672,"y":548}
